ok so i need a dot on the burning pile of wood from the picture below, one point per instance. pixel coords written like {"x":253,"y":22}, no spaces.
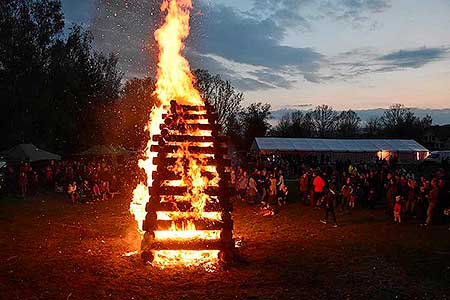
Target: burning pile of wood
{"x":188,"y":217}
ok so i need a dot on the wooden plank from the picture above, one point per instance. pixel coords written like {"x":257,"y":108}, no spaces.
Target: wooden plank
{"x":185,"y":138}
{"x":178,"y":191}
{"x":185,"y":245}
{"x":191,"y":149}
{"x":169,"y":161}
{"x":164,"y":174}
{"x":194,"y":126}
{"x":193,"y":116}
{"x":200,"y":224}
{"x":188,"y":107}
{"x":185,"y":206}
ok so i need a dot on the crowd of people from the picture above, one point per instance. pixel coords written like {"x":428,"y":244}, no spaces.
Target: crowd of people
{"x":342,"y":185}
{"x":82,"y":180}
{"x":346,"y":185}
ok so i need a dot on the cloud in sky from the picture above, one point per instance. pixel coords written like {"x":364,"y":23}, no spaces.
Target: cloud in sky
{"x":247,"y":45}
{"x":414,"y":58}
{"x":365,"y":61}
{"x":243,"y":39}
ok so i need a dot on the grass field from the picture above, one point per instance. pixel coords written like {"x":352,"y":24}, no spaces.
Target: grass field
{"x":51,"y":249}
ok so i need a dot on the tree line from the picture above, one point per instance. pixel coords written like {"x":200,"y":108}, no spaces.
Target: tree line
{"x":58,"y":92}
{"x":323,"y":121}
{"x":54,"y":87}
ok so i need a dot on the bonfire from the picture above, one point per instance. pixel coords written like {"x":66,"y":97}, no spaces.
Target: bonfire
{"x":182,"y":210}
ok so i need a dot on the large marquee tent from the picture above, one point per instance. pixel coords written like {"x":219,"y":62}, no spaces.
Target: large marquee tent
{"x":362,"y":149}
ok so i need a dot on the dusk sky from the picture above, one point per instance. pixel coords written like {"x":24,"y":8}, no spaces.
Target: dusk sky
{"x":346,"y":53}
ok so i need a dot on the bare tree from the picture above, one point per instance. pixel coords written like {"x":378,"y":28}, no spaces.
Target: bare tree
{"x":373,"y":127}
{"x":324,"y":119}
{"x":225,"y":99}
{"x":395,"y":115}
{"x":400,"y":122}
{"x":295,"y":124}
{"x":254,"y":121}
{"x":348,"y":124}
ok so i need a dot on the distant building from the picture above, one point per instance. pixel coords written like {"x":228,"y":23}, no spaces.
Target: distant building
{"x":437,"y":137}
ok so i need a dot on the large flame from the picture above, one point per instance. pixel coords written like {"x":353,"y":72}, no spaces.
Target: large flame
{"x":175,"y":82}
{"x":174,"y":76}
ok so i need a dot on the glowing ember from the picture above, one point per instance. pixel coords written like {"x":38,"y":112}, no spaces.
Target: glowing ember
{"x":167,"y":258}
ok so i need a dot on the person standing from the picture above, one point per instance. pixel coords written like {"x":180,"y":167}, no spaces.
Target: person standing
{"x":346,"y":192}
{"x":272,"y":189}
{"x":242,"y":184}
{"x":280,"y":180}
{"x":391,"y":192}
{"x":398,"y":209}
{"x":303,"y":187}
{"x":23,"y":184}
{"x":252,"y":190}
{"x":319,"y":185}
{"x":433,"y":198}
{"x":411,"y":198}
{"x":330,"y":200}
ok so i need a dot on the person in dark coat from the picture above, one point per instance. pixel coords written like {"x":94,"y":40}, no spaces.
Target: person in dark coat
{"x":330,"y":200}
{"x":433,"y":198}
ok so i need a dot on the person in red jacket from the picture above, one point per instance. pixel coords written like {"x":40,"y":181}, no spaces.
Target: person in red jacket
{"x":319,"y":185}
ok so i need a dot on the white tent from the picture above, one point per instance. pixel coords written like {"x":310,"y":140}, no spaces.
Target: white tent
{"x":269,"y":145}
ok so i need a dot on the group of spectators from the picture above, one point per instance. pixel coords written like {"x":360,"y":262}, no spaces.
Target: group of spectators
{"x":261,"y":186}
{"x":346,"y":185}
{"x":81,"y":179}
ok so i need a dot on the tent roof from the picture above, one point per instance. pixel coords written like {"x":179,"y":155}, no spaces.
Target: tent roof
{"x":268,"y":144}
{"x":100,"y":150}
{"x":28,"y":152}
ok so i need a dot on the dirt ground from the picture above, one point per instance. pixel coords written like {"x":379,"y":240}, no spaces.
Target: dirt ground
{"x":51,"y":249}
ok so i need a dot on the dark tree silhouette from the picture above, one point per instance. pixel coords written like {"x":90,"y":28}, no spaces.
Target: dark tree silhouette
{"x":295,"y":124}
{"x":225,"y":99}
{"x":348,"y":124}
{"x":373,"y":128}
{"x":324,"y":119}
{"x":400,"y":122}
{"x":55,"y":89}
{"x":254,"y":121}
